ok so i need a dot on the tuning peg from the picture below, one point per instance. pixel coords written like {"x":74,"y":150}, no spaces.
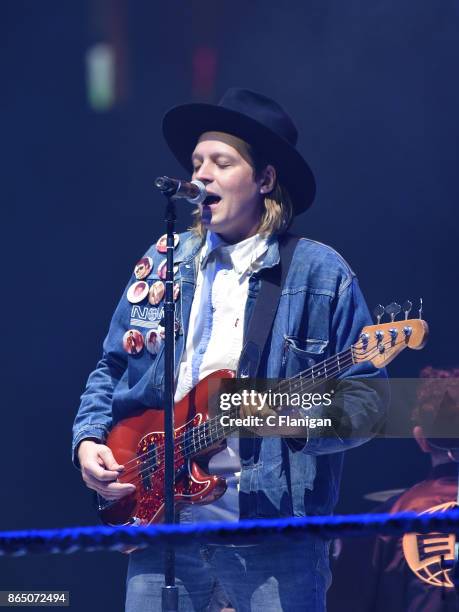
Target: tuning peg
{"x":420,"y":308}
{"x":393,"y":309}
{"x":378,"y":312}
{"x":407,"y":306}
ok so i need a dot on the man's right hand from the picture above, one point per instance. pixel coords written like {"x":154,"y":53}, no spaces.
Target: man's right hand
{"x":100,"y":471}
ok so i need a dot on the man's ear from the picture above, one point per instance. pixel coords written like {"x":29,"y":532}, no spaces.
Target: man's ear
{"x":418,"y":434}
{"x":268,"y":179}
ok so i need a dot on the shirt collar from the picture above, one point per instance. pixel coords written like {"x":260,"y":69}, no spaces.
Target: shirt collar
{"x":241,"y":256}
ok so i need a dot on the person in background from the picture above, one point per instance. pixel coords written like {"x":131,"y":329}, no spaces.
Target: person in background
{"x":415,"y":572}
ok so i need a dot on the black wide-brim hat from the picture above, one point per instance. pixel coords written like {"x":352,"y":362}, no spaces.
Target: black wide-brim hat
{"x":257,"y":120}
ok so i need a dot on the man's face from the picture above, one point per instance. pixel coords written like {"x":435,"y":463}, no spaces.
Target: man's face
{"x":235,"y":209}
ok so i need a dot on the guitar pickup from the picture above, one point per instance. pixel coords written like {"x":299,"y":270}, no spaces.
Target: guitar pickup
{"x":147,"y":465}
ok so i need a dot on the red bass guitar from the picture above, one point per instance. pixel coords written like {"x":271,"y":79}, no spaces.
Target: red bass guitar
{"x":138,"y":441}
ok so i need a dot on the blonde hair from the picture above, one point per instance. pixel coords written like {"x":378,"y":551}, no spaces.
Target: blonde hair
{"x":277,"y":206}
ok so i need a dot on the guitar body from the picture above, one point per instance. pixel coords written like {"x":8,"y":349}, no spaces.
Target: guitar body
{"x":138,"y":443}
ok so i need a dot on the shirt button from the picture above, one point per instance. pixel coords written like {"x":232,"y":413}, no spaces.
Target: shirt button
{"x":213,"y":309}
{"x":202,"y":351}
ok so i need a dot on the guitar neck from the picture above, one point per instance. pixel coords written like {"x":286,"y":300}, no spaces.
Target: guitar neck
{"x":212,"y":431}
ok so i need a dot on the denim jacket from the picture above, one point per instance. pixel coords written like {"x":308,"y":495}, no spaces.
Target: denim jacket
{"x":320,"y":313}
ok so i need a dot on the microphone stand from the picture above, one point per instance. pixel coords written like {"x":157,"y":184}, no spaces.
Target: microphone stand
{"x":171,"y":188}
{"x":169,"y":594}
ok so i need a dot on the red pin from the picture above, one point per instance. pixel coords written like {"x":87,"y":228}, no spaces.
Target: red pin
{"x":143,"y":268}
{"x":161,"y":245}
{"x":133,"y":342}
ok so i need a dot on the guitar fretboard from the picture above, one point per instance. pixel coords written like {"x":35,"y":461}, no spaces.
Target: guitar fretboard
{"x":212,"y":431}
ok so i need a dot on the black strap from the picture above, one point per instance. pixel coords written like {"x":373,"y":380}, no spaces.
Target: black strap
{"x":261,"y":321}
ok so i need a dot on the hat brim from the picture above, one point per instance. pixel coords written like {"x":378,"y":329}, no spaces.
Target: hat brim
{"x":183,"y":125}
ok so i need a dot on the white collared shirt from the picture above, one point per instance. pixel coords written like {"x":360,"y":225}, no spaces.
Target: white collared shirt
{"x":216,"y":326}
{"x":214,"y":342}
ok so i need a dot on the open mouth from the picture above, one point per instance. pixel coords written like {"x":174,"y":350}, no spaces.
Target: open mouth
{"x":211,"y":199}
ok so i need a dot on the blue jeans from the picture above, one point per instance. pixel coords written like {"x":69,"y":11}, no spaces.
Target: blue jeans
{"x":275,"y":576}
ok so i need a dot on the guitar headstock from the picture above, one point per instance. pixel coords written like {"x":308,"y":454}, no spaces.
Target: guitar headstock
{"x":382,"y":342}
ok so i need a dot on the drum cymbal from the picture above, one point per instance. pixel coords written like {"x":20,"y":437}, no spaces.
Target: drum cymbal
{"x":382,"y":496}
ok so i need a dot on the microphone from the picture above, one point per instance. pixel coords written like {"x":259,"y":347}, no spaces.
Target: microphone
{"x":194,"y":191}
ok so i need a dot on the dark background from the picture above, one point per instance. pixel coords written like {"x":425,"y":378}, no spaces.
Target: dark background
{"x":373,"y":89}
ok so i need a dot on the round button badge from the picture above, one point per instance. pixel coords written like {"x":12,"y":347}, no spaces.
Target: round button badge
{"x":156,"y":293}
{"x":143,"y":268}
{"x":133,"y":342}
{"x":153,"y":341}
{"x":162,"y":269}
{"x":161,"y":245}
{"x":137,"y":292}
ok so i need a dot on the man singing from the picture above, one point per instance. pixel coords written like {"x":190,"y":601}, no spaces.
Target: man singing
{"x":244,"y":151}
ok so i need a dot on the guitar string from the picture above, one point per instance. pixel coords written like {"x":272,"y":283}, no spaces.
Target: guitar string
{"x":159,"y":468}
{"x":212,"y":426}
{"x":303,"y":374}
{"x":211,"y":429}
{"x":353,"y":350}
{"x":178,"y":440}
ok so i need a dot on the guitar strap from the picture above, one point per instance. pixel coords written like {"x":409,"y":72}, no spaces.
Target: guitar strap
{"x":261,"y":321}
